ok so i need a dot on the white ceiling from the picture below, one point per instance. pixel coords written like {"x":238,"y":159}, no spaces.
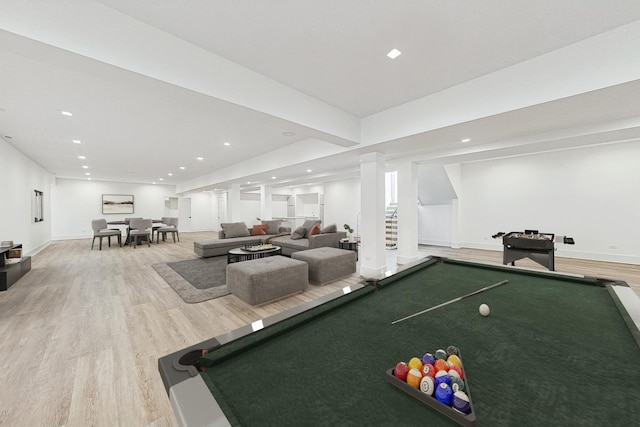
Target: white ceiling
{"x":139,"y":129}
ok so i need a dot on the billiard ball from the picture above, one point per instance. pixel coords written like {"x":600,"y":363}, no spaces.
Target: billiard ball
{"x":400,"y":371}
{"x":457,"y":384}
{"x":444,"y":394}
{"x":414,"y":377}
{"x":441,"y":354}
{"x":457,"y":370}
{"x":427,"y":386}
{"x":453,"y":373}
{"x":460,"y":402}
{"x":428,"y":370}
{"x":452,"y":349}
{"x":442,"y":377}
{"x":454,"y":360}
{"x":415,"y":363}
{"x":441,"y":365}
{"x":428,"y":359}
{"x":484,"y":310}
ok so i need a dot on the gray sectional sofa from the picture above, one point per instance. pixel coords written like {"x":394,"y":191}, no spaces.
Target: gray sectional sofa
{"x":235,"y":235}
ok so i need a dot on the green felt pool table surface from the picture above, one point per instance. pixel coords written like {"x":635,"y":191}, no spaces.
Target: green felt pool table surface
{"x":555,"y":350}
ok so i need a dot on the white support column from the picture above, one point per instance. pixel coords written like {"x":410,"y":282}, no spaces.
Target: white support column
{"x":233,"y":203}
{"x":266,"y":199}
{"x":372,"y":252}
{"x":454,"y":172}
{"x":407,"y":212}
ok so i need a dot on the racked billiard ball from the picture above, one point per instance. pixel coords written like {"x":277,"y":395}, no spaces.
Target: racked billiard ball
{"x":428,"y":359}
{"x":400,"y":371}
{"x":427,"y":385}
{"x":444,"y":394}
{"x":441,"y":354}
{"x":454,"y":360}
{"x":415,"y":363}
{"x":457,"y":384}
{"x":428,"y":370}
{"x":442,"y":377}
{"x":414,"y":377}
{"x":460,"y":402}
{"x":441,"y":365}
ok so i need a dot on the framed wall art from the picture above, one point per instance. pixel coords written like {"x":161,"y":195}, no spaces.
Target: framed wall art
{"x":117,"y":203}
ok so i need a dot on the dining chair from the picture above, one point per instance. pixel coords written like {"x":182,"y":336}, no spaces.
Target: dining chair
{"x":140,"y":229}
{"x":164,"y":222}
{"x":171,"y":228}
{"x":100,"y":231}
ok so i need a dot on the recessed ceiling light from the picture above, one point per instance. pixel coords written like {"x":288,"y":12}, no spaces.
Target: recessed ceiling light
{"x":308,"y":170}
{"x":273,"y":177}
{"x":199,"y":158}
{"x":76,"y":141}
{"x":85,"y":167}
{"x":182,"y":168}
{"x":66,"y":113}
{"x":87,"y":173}
{"x":288,"y":133}
{"x":154,"y":183}
{"x":394,"y":53}
{"x":170,"y":174}
{"x":89,"y":178}
{"x":466,"y":140}
{"x":81,"y":157}
{"x":227,"y":144}
{"x":248,"y":182}
{"x":161,"y":179}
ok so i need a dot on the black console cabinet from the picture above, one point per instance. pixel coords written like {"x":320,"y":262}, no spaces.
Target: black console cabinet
{"x":11,"y":272}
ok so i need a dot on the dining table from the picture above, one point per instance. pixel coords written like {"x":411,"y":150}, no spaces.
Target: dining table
{"x":126,"y":222}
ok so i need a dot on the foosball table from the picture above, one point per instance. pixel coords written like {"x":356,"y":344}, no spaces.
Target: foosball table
{"x":539,"y":247}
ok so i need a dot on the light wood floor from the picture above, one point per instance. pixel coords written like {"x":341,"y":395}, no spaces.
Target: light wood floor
{"x":80,"y":335}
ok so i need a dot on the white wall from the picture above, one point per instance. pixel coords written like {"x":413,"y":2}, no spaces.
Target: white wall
{"x":77,"y":202}
{"x":342,"y":203}
{"x":590,"y":194}
{"x":21,"y":176}
{"x":434,"y":225}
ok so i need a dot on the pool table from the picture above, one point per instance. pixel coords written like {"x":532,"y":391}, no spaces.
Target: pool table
{"x":556,"y":349}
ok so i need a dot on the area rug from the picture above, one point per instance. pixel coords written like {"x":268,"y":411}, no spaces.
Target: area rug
{"x":196,"y":280}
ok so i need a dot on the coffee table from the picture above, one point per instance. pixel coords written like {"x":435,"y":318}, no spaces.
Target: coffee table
{"x":242,"y":254}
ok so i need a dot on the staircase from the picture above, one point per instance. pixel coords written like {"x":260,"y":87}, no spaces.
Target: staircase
{"x":391,"y":226}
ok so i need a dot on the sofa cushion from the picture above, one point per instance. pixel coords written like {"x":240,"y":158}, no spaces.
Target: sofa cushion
{"x":315,"y":230}
{"x":273,"y":225}
{"x":259,"y":230}
{"x":288,"y":242}
{"x":298,"y":233}
{"x":235,"y":229}
{"x":331,"y":228}
{"x":308,"y":224}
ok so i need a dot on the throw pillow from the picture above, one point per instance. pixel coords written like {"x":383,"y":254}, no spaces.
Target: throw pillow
{"x":235,"y":229}
{"x":273,"y":226}
{"x":308,"y":224}
{"x":259,"y":230}
{"x":314,"y":230}
{"x":298,"y":233}
{"x":332,"y":228}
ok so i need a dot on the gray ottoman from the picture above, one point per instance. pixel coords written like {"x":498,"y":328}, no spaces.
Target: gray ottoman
{"x":327,"y":264}
{"x":266,"y":279}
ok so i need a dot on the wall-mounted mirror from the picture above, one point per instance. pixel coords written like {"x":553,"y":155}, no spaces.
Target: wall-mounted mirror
{"x":38,"y":206}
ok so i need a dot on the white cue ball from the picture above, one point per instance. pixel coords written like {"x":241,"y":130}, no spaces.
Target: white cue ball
{"x":484,"y":310}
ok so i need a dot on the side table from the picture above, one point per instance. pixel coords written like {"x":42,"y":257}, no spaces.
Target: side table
{"x":350,"y":246}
